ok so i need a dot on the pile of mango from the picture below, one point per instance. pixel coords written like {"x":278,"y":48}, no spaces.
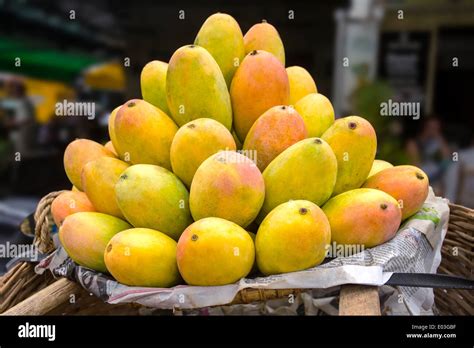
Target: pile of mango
{"x":230,"y":165}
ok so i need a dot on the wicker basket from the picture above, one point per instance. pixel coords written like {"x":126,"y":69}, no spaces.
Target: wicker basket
{"x":458,"y":259}
{"x":22,"y":283}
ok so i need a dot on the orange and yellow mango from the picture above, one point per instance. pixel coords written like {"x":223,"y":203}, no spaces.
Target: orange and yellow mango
{"x":225,"y":251}
{"x":259,"y":83}
{"x":273,"y":132}
{"x":227,"y":185}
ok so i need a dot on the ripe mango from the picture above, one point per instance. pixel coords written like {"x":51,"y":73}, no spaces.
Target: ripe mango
{"x":301,"y":83}
{"x":111,"y":128}
{"x":221,"y":36}
{"x":196,"y":141}
{"x":196,"y":88}
{"x":109,"y":146}
{"x":409,"y":185}
{"x":152,"y":197}
{"x":317,"y":113}
{"x":259,"y":83}
{"x":378,"y":166}
{"x":293,"y":237}
{"x":306,"y":170}
{"x":144,"y":134}
{"x":98,"y":180}
{"x":85,"y":235}
{"x":214,"y":251}
{"x":273,"y":132}
{"x":142,"y":257}
{"x":227,"y":185}
{"x":153,"y":84}
{"x":68,"y":203}
{"x":263,"y":36}
{"x":363,"y":216}
{"x":77,"y":154}
{"x":354,"y":143}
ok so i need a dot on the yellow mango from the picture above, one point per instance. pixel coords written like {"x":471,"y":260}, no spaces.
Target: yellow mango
{"x":98,"y":180}
{"x":354,"y":143}
{"x":144,"y":134}
{"x":263,"y":36}
{"x":142,"y":257}
{"x":196,"y":88}
{"x":195,"y":142}
{"x":152,"y":197}
{"x":221,"y":36}
{"x":305,"y":171}
{"x":301,"y":83}
{"x":77,"y":154}
{"x":153,"y":84}
{"x":317,"y":113}
{"x":293,"y":237}
{"x":214,"y":251}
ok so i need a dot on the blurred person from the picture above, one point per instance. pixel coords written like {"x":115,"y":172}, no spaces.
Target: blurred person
{"x":459,"y":179}
{"x":19,"y":117}
{"x":430,"y":152}
{"x":19,"y":123}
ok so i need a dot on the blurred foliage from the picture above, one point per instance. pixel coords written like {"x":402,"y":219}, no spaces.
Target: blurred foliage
{"x":366,"y":100}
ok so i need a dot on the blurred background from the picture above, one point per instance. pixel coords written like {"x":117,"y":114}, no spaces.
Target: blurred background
{"x":361,"y":53}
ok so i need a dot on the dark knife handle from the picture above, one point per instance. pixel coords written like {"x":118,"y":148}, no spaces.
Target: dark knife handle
{"x":429,"y":280}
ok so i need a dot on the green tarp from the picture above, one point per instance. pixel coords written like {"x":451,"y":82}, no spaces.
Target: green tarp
{"x":41,"y":63}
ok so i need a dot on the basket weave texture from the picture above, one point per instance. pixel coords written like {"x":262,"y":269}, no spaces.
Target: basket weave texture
{"x":458,"y":260}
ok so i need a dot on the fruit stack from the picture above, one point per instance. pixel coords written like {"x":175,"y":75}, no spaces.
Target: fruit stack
{"x":230,"y":165}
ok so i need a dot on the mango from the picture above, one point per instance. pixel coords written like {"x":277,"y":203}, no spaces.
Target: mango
{"x":142,"y":257}
{"x":259,"y":83}
{"x":273,"y":132}
{"x":221,"y":36}
{"x":317,"y":113}
{"x":293,"y":237}
{"x":152,"y":197}
{"x":263,"y":36}
{"x":196,"y":141}
{"x":363,"y":216}
{"x":111,"y":128}
{"x":85,"y":235}
{"x":153,"y":84}
{"x":144,"y":134}
{"x":354,"y":143}
{"x":301,"y":83}
{"x":68,"y":203}
{"x":98,"y":180}
{"x":378,"y":166}
{"x":227,"y":185}
{"x":77,"y":154}
{"x":214,"y":251}
{"x":306,"y":170}
{"x":109,"y":146}
{"x":196,"y":88}
{"x":409,"y":185}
